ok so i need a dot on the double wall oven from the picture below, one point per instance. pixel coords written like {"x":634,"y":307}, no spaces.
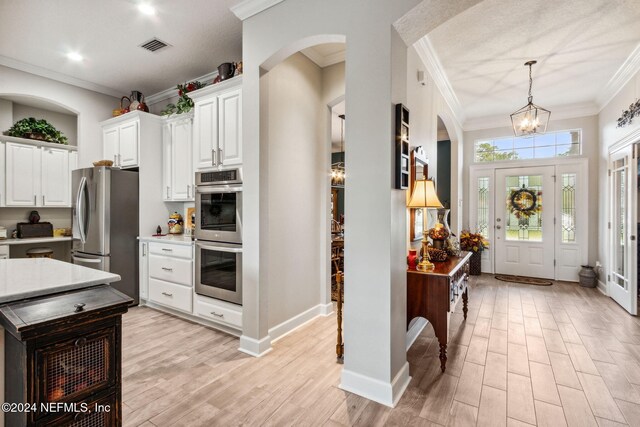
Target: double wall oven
{"x":219,"y":235}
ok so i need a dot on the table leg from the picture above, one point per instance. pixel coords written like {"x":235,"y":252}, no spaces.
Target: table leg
{"x":443,"y":356}
{"x":465,"y":302}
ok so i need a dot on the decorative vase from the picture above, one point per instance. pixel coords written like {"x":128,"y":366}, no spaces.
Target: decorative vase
{"x":226,"y":70}
{"x":475,"y":264}
{"x":443,"y":218}
{"x":588,"y":277}
{"x":438,"y":243}
{"x":413,"y":259}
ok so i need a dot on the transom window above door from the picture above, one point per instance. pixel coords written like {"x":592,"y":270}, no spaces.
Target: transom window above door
{"x":551,"y":144}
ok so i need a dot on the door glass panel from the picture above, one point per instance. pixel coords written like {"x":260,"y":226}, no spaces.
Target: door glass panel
{"x":483,"y":206}
{"x":524,"y":208}
{"x":568,"y":221}
{"x":619,"y":222}
{"x":219,"y":212}
{"x":218,"y":269}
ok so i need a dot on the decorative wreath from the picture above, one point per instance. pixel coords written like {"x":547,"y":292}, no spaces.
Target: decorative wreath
{"x":524,"y":202}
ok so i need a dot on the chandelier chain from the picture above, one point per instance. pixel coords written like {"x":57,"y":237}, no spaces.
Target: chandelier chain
{"x":530,"y":83}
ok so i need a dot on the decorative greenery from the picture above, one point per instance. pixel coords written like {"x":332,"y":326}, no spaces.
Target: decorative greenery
{"x":628,"y":115}
{"x":184,"y":104}
{"x":524,"y":202}
{"x":474,"y":242}
{"x":23,"y":127}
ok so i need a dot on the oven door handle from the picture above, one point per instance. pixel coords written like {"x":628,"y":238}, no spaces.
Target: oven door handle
{"x":219,"y":248}
{"x":211,"y":189}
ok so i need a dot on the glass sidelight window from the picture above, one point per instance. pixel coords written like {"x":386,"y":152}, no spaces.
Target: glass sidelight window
{"x":524,"y":208}
{"x":483,"y":207}
{"x":619,"y":222}
{"x":568,"y":213}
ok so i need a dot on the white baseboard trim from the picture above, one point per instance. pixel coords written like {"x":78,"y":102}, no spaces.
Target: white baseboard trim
{"x":387,"y":394}
{"x":253,"y":347}
{"x":415,"y":328}
{"x":288,"y":326}
{"x":326,"y":309}
{"x":602,"y":288}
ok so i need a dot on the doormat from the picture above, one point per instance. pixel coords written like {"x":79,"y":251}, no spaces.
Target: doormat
{"x":524,"y":280}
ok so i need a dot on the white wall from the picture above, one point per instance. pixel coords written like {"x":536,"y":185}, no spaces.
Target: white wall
{"x":610,"y":134}
{"x":426,"y":103}
{"x":297,"y":170}
{"x":590,"y":138}
{"x":91,"y":107}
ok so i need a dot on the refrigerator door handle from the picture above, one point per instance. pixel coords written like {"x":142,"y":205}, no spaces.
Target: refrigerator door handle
{"x":80,"y":209}
{"x":87,"y":260}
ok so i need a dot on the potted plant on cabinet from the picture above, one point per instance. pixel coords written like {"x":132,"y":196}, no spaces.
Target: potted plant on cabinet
{"x":474,"y":243}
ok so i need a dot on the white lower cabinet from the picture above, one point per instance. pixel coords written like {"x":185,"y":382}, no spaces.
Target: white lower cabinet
{"x":4,"y":251}
{"x":170,"y":294}
{"x":218,"y":311}
{"x":167,"y":280}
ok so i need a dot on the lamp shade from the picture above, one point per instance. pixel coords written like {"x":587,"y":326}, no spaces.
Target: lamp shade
{"x":424,"y":195}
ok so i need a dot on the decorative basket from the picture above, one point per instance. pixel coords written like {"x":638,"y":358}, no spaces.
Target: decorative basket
{"x":107,"y":163}
{"x":475,"y":264}
{"x":122,"y":110}
{"x":437,"y":255}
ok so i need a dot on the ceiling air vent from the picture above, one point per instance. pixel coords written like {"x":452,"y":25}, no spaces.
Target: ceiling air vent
{"x":154,"y":45}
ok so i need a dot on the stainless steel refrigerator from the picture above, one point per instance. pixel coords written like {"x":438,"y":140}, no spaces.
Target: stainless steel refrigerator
{"x":105,"y":223}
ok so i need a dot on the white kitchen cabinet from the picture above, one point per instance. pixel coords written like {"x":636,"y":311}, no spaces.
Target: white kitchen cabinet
{"x":3,"y":164}
{"x":120,"y":142}
{"x":217,"y":129}
{"x":36,"y":175}
{"x":56,"y":183}
{"x":230,"y":128}
{"x":4,"y":251}
{"x":178,"y":171}
{"x":144,"y":270}
{"x":22,"y":174}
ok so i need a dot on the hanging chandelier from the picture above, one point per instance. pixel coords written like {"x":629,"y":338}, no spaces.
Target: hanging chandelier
{"x":530,"y":119}
{"x":337,"y":168}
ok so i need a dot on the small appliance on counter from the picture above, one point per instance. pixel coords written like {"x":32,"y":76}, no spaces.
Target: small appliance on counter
{"x":34,"y":228}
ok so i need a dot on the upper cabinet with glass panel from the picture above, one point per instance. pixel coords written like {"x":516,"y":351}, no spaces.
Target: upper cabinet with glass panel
{"x":551,"y":144}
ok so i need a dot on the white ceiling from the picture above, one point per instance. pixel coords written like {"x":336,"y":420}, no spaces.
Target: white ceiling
{"x":579,"y":46}
{"x":326,"y":54}
{"x":203,"y":34}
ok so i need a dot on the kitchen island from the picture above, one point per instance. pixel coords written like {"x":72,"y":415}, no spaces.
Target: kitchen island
{"x":43,"y":303}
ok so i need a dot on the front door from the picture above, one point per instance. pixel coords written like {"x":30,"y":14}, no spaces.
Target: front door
{"x":622,"y":229}
{"x":524,"y":224}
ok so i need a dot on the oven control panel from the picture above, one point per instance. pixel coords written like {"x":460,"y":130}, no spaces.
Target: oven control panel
{"x":218,"y":177}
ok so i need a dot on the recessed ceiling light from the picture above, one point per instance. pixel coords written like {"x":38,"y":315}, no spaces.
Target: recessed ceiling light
{"x":147,"y":9}
{"x":74,"y":56}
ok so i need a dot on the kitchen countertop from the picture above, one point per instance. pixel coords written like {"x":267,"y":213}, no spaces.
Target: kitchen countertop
{"x":32,"y":277}
{"x":32,"y":240}
{"x":177,"y":239}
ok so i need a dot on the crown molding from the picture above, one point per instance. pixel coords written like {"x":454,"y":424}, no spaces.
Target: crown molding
{"x":248,"y":8}
{"x":173,"y":91}
{"x":324,"y":61}
{"x":558,"y":112}
{"x":629,"y":68}
{"x":59,"y":77}
{"x":429,"y":57}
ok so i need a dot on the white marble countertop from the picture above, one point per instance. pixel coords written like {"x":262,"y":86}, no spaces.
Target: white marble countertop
{"x":22,"y":278}
{"x":177,"y":239}
{"x":34,"y":240}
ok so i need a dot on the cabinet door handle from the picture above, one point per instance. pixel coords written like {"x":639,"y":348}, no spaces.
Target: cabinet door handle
{"x":218,"y":315}
{"x":188,"y":191}
{"x":43,"y":200}
{"x":166,"y":294}
{"x":35,"y":200}
{"x":213,"y":157}
{"x":167,"y":191}
{"x":167,"y":269}
{"x":115,"y":160}
{"x":144,"y":249}
{"x":167,"y":250}
{"x":220,"y":161}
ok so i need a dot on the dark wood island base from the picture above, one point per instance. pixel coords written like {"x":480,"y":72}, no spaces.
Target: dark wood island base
{"x":435,"y":294}
{"x":63,"y":358}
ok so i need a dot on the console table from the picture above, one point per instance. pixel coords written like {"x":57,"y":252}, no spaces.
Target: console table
{"x":435,"y":294}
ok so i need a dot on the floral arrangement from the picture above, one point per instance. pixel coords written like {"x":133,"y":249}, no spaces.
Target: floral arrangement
{"x":474,"y":242}
{"x":628,"y":115}
{"x":438,"y":232}
{"x":524,"y":202}
{"x":40,"y":129}
{"x":185,"y":103}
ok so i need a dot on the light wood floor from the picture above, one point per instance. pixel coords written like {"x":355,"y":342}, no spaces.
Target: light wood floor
{"x":527,"y":355}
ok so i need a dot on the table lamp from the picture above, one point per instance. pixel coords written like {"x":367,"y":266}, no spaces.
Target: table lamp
{"x":424,"y":196}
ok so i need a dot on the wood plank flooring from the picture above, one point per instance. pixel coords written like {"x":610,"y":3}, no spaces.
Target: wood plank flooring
{"x":526,"y":355}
